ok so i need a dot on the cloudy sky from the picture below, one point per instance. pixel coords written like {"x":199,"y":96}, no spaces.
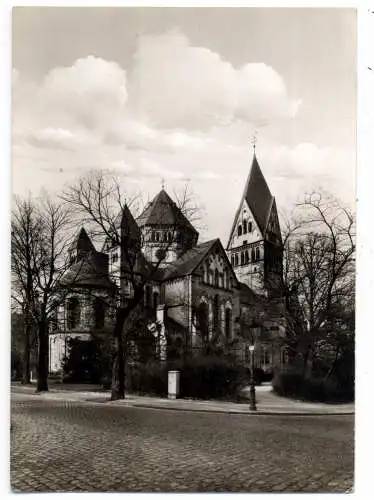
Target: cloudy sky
{"x":177,"y":94}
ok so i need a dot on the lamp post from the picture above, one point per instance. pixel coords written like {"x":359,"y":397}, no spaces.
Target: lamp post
{"x":252,"y":389}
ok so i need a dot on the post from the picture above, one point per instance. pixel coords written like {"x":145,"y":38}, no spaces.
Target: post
{"x":252,"y":389}
{"x":173,"y":384}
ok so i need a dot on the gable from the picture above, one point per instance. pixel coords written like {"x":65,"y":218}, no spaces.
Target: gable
{"x":245,"y":227}
{"x":216,"y":260}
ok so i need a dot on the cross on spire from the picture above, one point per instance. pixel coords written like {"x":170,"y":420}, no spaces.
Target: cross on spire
{"x":254,"y":140}
{"x":163,"y":183}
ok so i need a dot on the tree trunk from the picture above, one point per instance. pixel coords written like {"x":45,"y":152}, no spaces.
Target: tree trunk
{"x":118,"y":370}
{"x":118,"y":367}
{"x":26,"y":353}
{"x":42,"y":383}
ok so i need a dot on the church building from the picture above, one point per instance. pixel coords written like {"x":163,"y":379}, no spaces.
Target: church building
{"x":195,"y":293}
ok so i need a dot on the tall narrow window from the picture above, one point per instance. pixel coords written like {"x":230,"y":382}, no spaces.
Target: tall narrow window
{"x":202,"y":322}
{"x":228,"y":316}
{"x":73,"y":313}
{"x":246,"y":259}
{"x":239,"y":230}
{"x":242,"y":259}
{"x":215,"y":313}
{"x":148,"y":296}
{"x":155,"y":300}
{"x":257,"y":253}
{"x":244,"y":226}
{"x":249,"y":227}
{"x":253,"y":255}
{"x":216,"y":278}
{"x":99,"y":313}
{"x":232,"y":261}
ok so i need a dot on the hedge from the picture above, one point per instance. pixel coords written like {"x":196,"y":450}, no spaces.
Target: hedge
{"x":319,"y":389}
{"x":207,"y":377}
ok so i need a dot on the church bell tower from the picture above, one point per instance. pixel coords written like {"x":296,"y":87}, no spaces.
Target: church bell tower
{"x":255,"y":242}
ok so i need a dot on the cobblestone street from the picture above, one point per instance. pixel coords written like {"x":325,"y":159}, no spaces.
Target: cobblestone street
{"x":78,"y":446}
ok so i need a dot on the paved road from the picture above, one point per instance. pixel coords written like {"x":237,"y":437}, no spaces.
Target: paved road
{"x":76,"y":446}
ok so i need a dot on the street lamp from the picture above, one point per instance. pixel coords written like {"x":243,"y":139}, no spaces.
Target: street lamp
{"x":252,"y":389}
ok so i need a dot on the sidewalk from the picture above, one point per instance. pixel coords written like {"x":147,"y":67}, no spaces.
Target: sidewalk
{"x":268,"y":403}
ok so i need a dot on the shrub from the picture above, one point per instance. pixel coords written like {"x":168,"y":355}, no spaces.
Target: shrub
{"x":147,"y":378}
{"x":211,"y":377}
{"x":293,"y":384}
{"x":203,"y":377}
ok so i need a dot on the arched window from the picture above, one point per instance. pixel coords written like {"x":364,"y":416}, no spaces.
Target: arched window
{"x":228,"y":316}
{"x":215,"y":313}
{"x":155,"y":300}
{"x":246,"y":257}
{"x":249,"y":227}
{"x":73,"y":313}
{"x":257,"y":253}
{"x":236,"y":260}
{"x":99,"y":312}
{"x":253,"y":255}
{"x":202,"y":321}
{"x":239,"y":230}
{"x":216,"y":278}
{"x":244,"y":226}
{"x":242,"y":258}
{"x":148,"y":296}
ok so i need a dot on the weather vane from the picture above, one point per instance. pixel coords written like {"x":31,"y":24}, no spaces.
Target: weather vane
{"x":254,"y":140}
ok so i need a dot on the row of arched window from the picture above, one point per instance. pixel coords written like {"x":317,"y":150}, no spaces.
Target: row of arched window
{"x":203,"y":319}
{"x":215,"y":278}
{"x":166,"y":237}
{"x":242,"y":258}
{"x":244,"y":228}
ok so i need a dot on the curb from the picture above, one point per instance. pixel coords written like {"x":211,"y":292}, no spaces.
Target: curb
{"x":240,"y":412}
{"x":51,"y":395}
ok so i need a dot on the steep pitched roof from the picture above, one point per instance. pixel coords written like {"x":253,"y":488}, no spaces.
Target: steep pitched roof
{"x":189,"y":261}
{"x":258,"y":197}
{"x":90,"y":271}
{"x":126,"y":222}
{"x":163,"y":210}
{"x":82,"y":243}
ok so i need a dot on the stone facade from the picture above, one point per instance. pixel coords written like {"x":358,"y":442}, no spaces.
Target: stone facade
{"x":201,"y":292}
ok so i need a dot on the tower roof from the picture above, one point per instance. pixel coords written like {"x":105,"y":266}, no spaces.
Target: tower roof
{"x":257,"y":194}
{"x":127,"y":224}
{"x":162,"y":210}
{"x":258,"y":197}
{"x":82,"y":243}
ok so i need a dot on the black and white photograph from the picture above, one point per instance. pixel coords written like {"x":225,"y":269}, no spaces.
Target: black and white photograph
{"x":183,"y":249}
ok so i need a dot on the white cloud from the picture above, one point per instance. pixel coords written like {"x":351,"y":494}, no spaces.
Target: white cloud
{"x":175,"y":84}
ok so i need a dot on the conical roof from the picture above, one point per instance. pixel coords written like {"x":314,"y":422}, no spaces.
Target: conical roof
{"x":90,"y":271}
{"x":82,"y":243}
{"x":127,"y":224}
{"x":258,"y":197}
{"x":162,"y":210}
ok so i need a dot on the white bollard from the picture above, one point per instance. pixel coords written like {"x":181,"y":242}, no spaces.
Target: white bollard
{"x":173,"y":384}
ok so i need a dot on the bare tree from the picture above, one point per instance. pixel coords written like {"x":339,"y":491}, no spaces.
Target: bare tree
{"x":318,"y":269}
{"x":40,"y":238}
{"x":97,"y":202}
{"x":25,"y":232}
